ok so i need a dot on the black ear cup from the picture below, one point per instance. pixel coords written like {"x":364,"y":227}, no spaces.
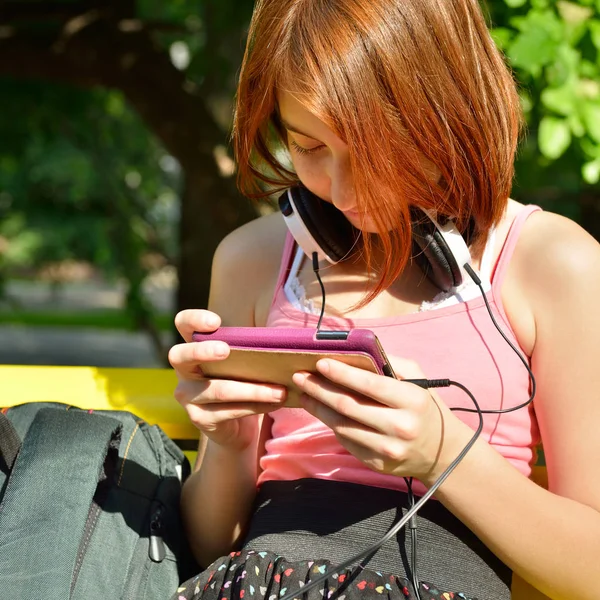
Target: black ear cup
{"x":432,"y":253}
{"x":328,"y":226}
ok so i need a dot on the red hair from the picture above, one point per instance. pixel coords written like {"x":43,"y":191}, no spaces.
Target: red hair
{"x":399,"y":81}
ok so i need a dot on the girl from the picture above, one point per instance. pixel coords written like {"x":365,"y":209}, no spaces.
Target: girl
{"x":377,"y":107}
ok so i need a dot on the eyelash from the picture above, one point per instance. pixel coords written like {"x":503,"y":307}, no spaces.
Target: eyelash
{"x":300,"y":150}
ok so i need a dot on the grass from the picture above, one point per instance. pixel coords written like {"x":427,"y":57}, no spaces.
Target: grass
{"x":100,"y":319}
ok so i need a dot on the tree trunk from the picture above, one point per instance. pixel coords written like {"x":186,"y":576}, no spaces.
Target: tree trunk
{"x":207,"y":215}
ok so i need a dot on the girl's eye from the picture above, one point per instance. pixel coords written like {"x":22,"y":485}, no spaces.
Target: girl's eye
{"x":300,"y":150}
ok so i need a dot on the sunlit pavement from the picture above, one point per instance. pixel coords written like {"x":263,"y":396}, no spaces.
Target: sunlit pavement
{"x":70,"y":346}
{"x":20,"y":345}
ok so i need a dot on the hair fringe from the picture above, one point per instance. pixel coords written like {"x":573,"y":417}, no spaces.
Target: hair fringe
{"x":406,"y":85}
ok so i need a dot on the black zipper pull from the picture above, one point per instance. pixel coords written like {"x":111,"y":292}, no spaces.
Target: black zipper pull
{"x":156,"y":551}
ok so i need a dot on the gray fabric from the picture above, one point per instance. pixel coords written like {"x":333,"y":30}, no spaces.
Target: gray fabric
{"x":76,"y":512}
{"x":28,"y":515}
{"x":316,"y":519}
{"x":10,"y":444}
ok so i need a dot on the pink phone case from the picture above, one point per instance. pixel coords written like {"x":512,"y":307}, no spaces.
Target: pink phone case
{"x":274,"y":354}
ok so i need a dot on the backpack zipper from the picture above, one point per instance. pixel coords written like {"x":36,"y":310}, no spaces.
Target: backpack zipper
{"x":156,"y":549}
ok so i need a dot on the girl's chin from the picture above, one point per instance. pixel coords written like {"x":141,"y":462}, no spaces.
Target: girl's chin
{"x":363,"y":223}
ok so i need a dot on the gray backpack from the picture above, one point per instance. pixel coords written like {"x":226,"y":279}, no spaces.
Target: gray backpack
{"x":89,"y":506}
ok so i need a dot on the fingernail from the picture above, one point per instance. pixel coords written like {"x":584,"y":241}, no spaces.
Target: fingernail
{"x":299,"y":378}
{"x":278,"y":394}
{"x":212,"y":321}
{"x":220,"y":350}
{"x":323,"y":366}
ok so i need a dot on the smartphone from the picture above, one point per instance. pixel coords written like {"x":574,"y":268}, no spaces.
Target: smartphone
{"x":274,"y":354}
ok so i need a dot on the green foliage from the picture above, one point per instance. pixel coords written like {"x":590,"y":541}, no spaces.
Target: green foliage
{"x":213,"y":35}
{"x":74,"y":166}
{"x":82,"y":178}
{"x":554,"y":48}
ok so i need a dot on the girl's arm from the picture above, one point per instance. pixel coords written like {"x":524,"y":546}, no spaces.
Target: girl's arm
{"x":217,"y":499}
{"x":550,"y":538}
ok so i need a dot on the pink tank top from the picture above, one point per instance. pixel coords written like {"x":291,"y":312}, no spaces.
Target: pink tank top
{"x":457,"y":342}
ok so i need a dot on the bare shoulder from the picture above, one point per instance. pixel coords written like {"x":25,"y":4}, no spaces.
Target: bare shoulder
{"x":253,"y":242}
{"x":245,"y":268}
{"x":554,"y":250}
{"x":556,"y":265}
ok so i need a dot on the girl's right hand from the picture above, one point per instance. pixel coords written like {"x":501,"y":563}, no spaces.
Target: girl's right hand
{"x":225,"y":411}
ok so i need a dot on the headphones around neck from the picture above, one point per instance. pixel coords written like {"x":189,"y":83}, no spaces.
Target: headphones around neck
{"x":317,"y":226}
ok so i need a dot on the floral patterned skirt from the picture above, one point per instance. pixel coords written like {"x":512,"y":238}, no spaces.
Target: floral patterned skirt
{"x":252,"y":575}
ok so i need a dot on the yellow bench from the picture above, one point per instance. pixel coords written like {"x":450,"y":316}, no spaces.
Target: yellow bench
{"x":148,"y":393}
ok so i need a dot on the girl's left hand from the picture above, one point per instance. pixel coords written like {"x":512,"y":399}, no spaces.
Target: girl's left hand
{"x":392,"y":426}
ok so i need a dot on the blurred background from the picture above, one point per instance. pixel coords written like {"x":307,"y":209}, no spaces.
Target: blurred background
{"x":116,"y":177}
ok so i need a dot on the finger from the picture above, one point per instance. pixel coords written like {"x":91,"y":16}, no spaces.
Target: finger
{"x":345,"y":409}
{"x":186,"y":358}
{"x":223,"y":391}
{"x":188,"y":321}
{"x":390,"y":458}
{"x":366,"y":444}
{"x":385,"y":390}
{"x":210,"y":416}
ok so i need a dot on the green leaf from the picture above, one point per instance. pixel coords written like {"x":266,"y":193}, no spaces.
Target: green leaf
{"x":594,"y":27}
{"x":591,"y":118}
{"x":564,"y":69}
{"x":515,"y":3}
{"x":591,"y":172}
{"x":576,"y":124}
{"x":590,"y":149}
{"x":554,"y":137}
{"x":574,"y":13}
{"x":561,"y":100}
{"x":502,"y":36}
{"x":537,"y":43}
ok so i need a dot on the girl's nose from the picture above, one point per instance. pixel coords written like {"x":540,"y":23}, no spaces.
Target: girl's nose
{"x":343,"y":195}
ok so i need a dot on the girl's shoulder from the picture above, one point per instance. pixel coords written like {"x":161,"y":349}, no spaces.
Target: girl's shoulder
{"x":254,"y":241}
{"x":246,"y":264}
{"x":551,"y":246}
{"x":554,"y":271}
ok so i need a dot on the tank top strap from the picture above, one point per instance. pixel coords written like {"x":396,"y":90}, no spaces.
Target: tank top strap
{"x":287,"y":257}
{"x":509,"y":245}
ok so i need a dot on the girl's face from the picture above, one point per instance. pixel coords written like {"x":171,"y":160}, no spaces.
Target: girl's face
{"x":321,"y":160}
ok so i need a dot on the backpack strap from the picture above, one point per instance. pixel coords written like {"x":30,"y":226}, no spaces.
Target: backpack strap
{"x":10,"y":444}
{"x":47,"y":501}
